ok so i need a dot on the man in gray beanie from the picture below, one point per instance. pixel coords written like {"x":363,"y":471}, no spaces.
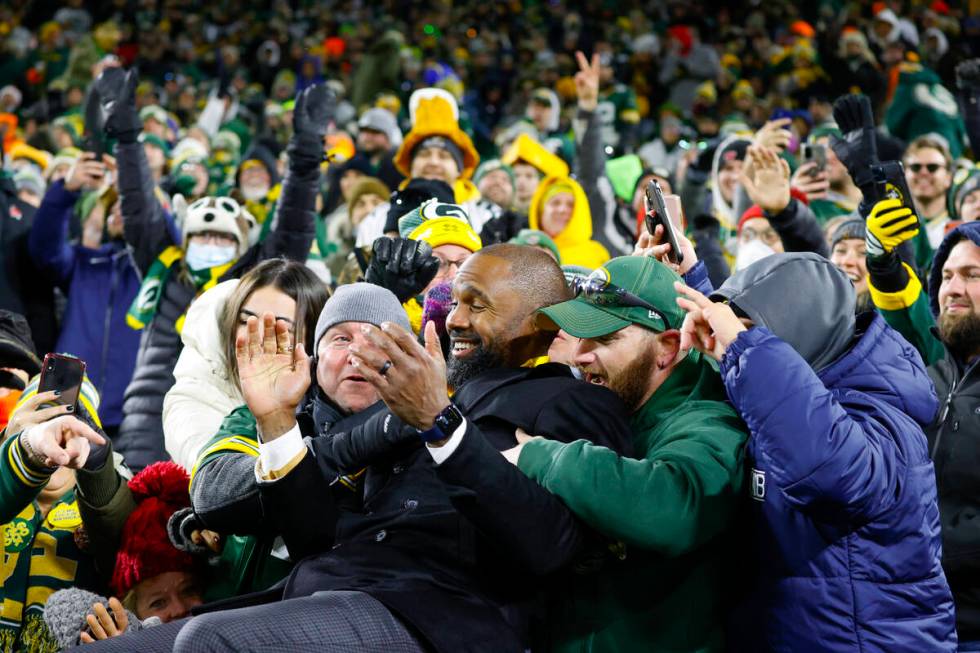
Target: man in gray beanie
{"x":339,"y":326}
{"x":274,"y":395}
{"x":422,"y":542}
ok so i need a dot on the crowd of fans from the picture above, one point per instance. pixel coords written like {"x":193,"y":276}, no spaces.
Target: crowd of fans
{"x":386,"y":348}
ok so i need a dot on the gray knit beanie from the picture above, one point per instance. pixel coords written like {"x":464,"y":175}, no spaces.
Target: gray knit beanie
{"x":65,"y":613}
{"x":360,"y":302}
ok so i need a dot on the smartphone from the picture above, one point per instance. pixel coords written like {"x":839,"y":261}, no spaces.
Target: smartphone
{"x":95,"y":145}
{"x":816,"y":153}
{"x":657,"y":214}
{"x":63,"y":373}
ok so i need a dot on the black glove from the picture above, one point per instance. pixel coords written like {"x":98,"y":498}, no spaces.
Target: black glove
{"x":403,"y":266}
{"x":94,"y":124}
{"x":858,"y":149}
{"x":315,"y":108}
{"x":116,"y":89}
{"x":968,"y":76}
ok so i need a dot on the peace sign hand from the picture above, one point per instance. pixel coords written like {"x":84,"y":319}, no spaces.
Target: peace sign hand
{"x":587,"y":82}
{"x":710,"y":327}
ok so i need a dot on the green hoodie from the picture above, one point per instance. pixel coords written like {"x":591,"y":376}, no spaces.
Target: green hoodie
{"x":671,"y":511}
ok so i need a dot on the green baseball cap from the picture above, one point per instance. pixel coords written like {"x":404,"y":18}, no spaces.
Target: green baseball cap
{"x":597,"y":315}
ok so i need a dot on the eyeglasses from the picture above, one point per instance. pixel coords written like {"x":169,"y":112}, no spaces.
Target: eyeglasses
{"x":598,"y":290}
{"x":767,"y":235}
{"x":445,"y":264}
{"x":931,"y":168}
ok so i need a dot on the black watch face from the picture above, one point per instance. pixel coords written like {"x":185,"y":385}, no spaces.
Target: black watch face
{"x":449,"y":420}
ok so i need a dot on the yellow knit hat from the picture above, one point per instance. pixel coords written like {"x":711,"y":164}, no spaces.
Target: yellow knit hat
{"x":435,"y":113}
{"x":447,"y":231}
{"x":529,"y":151}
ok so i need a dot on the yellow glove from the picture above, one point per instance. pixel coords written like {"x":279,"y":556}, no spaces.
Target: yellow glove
{"x":890,"y":224}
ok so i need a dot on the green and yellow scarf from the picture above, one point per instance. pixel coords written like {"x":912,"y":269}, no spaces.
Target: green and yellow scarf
{"x":147,"y":301}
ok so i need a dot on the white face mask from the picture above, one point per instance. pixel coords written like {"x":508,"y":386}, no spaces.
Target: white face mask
{"x":201,"y":256}
{"x":255,"y":193}
{"x":750,"y":252}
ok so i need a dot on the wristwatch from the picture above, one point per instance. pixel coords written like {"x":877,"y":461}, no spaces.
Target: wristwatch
{"x":445,"y":425}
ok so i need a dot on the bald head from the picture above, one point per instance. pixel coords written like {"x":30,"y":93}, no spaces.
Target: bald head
{"x":533,"y":273}
{"x":497,"y":292}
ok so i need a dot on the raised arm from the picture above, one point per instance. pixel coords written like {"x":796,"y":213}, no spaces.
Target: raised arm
{"x":293,"y":227}
{"x":144,"y":223}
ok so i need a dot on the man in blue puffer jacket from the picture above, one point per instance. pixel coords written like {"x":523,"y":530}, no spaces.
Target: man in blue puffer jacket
{"x":98,"y":276}
{"x":844,"y":508}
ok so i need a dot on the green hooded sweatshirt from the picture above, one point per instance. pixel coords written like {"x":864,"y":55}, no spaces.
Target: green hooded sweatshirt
{"x":671,"y":511}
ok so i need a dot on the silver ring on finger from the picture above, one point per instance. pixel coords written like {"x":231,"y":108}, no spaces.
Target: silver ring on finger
{"x":384,"y":368}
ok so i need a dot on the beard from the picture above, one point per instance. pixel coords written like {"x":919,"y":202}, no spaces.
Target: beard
{"x":631,"y":384}
{"x":960,"y":333}
{"x":481,"y":358}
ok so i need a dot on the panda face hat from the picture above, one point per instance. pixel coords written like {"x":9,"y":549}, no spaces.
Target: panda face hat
{"x":220,"y":214}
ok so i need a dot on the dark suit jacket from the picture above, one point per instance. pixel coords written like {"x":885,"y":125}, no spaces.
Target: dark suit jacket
{"x":457,"y":550}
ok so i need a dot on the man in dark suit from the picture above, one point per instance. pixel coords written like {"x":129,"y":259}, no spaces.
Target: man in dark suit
{"x":447,"y":544}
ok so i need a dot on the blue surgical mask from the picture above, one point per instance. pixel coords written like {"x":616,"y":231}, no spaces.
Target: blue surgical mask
{"x":201,"y":256}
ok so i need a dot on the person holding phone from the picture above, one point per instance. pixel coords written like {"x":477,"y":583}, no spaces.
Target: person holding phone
{"x":98,"y":275}
{"x":41,"y":510}
{"x":824,"y":180}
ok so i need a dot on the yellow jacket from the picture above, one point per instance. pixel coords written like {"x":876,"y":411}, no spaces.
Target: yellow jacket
{"x":575,"y":241}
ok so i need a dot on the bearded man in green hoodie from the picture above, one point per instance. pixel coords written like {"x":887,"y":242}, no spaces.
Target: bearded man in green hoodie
{"x":670,"y":511}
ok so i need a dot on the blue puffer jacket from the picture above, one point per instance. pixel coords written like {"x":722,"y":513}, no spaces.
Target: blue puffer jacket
{"x":100,"y":285}
{"x":845,"y":521}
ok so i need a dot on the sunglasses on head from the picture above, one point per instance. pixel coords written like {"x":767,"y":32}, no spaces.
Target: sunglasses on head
{"x":600,"y":291}
{"x":931,"y":168}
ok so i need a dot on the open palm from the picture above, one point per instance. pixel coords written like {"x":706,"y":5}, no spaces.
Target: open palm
{"x":766,"y":179}
{"x":274,"y":376}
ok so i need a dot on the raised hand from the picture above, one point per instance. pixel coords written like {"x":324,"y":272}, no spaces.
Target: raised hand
{"x":403,"y":266}
{"x":273,"y":374}
{"x":60,"y":442}
{"x":858,"y":149}
{"x":814,"y":186}
{"x":102,"y":624}
{"x":890,"y":223}
{"x":410,"y":378}
{"x":710,"y":327}
{"x":32,"y":411}
{"x":766,"y":179}
{"x":653,"y":245}
{"x":117,"y":93}
{"x":315,"y":109}
{"x":773,"y":134}
{"x":587,"y":81}
{"x":87,"y":173}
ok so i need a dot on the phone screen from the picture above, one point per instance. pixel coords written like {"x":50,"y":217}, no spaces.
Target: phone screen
{"x":62,"y":373}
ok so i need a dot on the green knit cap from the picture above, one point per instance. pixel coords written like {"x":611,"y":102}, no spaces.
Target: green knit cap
{"x":489,"y":166}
